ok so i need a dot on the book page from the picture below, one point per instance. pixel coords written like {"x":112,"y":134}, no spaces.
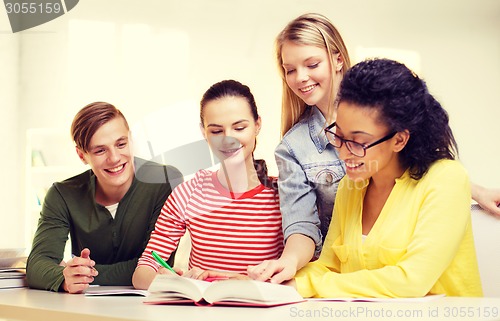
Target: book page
{"x":16,"y":282}
{"x":9,"y":253}
{"x":250,"y":291}
{"x":114,"y":290}
{"x":12,"y":257}
{"x":175,"y":286}
{"x":12,"y":274}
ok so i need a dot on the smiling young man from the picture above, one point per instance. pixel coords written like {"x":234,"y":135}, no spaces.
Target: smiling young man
{"x":109,"y":210}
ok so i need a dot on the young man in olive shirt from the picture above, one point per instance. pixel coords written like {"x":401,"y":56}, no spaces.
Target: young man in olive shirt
{"x":109,"y":211}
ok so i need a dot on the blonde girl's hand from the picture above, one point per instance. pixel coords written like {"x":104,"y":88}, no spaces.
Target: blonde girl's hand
{"x":489,"y":199}
{"x":276,"y":271}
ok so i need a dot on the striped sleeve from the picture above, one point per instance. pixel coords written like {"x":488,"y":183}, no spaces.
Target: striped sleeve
{"x":170,"y":225}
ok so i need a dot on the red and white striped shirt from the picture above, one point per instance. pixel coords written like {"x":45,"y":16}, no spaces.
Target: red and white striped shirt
{"x":228,"y":232}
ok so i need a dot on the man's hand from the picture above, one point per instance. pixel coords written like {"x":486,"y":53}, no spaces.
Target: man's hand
{"x":79,"y":272}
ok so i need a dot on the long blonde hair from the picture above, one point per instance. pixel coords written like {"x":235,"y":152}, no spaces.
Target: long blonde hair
{"x":310,"y":29}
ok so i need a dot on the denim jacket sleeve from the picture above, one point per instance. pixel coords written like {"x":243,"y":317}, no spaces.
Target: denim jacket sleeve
{"x":297,"y":198}
{"x":309,"y":174}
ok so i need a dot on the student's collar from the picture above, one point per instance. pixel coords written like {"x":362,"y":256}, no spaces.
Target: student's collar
{"x":93,"y":186}
{"x":317,"y":124}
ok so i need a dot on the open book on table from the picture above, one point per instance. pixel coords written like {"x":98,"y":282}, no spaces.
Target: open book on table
{"x":174,"y":289}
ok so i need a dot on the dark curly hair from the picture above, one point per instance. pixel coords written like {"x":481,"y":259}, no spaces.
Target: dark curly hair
{"x":404,"y":103}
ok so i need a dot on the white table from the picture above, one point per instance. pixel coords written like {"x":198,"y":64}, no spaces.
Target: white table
{"x":26,"y":304}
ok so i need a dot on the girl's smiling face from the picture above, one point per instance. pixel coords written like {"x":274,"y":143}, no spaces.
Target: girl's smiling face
{"x":308,"y":73}
{"x":230,"y":129}
{"x":362,"y":125}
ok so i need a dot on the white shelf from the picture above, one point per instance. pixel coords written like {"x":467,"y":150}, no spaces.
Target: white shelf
{"x":50,"y":157}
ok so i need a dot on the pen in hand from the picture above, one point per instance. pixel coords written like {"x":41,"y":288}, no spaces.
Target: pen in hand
{"x":162,"y":262}
{"x":89,"y":266}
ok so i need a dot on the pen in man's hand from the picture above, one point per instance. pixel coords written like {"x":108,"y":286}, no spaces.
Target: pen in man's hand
{"x":90,"y":267}
{"x":162,"y":262}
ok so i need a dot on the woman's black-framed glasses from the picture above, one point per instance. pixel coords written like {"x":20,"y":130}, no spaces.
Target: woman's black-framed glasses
{"x":357,"y":149}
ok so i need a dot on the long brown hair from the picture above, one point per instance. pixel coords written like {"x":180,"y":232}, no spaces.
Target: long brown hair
{"x":310,"y":29}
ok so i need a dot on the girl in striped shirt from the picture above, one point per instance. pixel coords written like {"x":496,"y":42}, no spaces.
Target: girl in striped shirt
{"x":233,"y":214}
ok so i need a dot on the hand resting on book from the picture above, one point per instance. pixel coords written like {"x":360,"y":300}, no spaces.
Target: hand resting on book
{"x":214,"y":275}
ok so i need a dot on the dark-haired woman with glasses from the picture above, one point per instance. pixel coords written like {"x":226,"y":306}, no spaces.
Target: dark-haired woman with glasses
{"x":401,"y":225}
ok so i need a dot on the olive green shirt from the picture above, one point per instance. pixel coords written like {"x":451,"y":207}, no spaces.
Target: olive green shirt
{"x":116,"y":243}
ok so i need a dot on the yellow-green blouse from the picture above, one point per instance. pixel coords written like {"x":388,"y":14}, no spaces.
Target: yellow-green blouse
{"x":421,"y":243}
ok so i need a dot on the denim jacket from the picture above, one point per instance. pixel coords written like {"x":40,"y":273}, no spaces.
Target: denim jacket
{"x":309,"y":174}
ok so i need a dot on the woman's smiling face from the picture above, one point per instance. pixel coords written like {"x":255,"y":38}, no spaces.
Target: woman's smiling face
{"x":308,"y":73}
{"x":363,"y":126}
{"x":230,"y":129}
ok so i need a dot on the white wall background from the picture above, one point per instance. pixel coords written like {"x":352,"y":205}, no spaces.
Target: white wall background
{"x":157,"y":57}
